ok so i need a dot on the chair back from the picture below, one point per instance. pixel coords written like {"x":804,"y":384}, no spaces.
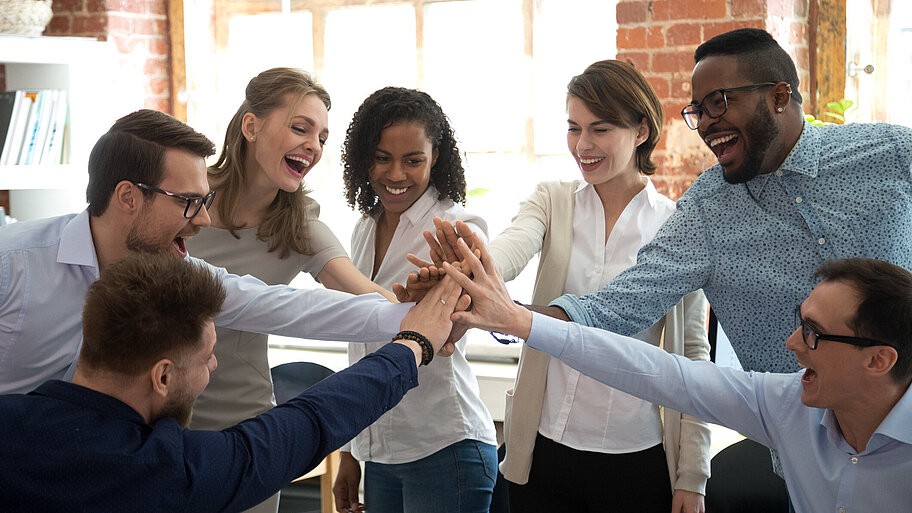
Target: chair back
{"x":290,"y":379}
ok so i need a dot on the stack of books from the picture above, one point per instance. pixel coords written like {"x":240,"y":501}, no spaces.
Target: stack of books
{"x":33,"y":126}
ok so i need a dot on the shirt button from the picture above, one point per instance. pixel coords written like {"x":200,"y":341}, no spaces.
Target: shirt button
{"x":854,"y":460}
{"x":778,"y":172}
{"x":821,"y":241}
{"x":798,"y":199}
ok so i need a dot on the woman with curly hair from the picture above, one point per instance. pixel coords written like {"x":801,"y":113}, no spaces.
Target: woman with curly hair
{"x":434,"y":451}
{"x":264,"y":224}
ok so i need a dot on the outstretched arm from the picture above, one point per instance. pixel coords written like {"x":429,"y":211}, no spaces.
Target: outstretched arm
{"x":341,"y":274}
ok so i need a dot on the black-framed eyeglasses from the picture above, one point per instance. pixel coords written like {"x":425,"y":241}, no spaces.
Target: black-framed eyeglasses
{"x":715,"y":104}
{"x":194,"y":203}
{"x":811,"y":337}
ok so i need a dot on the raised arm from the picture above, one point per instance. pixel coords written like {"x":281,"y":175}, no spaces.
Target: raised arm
{"x":341,"y":274}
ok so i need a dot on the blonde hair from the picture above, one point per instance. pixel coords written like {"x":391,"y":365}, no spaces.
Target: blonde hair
{"x":285,"y":224}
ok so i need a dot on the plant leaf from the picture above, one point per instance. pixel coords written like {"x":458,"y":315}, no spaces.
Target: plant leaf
{"x":477,"y":191}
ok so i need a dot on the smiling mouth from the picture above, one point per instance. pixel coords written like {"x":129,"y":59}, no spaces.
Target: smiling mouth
{"x":591,"y":161}
{"x":395,"y":191}
{"x":809,"y":377}
{"x":299,"y":164}
{"x":723,"y":147}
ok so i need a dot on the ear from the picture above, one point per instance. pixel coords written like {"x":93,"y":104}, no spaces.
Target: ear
{"x":249,"y":126}
{"x":642,"y":132}
{"x":127,"y":198}
{"x":434,"y":157}
{"x":880,"y":360}
{"x":782,"y":95}
{"x":163,"y":378}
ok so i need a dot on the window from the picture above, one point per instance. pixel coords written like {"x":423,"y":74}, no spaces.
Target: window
{"x":499,"y":69}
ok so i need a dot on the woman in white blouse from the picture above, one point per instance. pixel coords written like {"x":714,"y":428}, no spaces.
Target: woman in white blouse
{"x":434,"y":451}
{"x":574,"y":444}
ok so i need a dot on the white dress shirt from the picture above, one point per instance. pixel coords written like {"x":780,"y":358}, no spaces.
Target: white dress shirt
{"x":446,"y":407}
{"x":47,"y":266}
{"x":578,"y":411}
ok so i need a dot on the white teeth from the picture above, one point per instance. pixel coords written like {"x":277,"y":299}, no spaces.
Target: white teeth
{"x":393,"y":190}
{"x":591,"y":161}
{"x":720,"y":140}
{"x":299,"y":159}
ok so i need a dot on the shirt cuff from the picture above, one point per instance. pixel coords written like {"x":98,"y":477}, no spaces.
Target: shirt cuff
{"x":390,"y":317}
{"x":547,"y":334}
{"x":573,"y":307}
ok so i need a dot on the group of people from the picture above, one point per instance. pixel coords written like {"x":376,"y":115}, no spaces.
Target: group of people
{"x":802,"y":234}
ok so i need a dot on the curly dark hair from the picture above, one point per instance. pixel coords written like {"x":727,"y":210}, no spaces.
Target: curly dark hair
{"x":380,"y":110}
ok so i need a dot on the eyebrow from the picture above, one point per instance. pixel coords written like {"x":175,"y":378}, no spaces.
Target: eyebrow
{"x":410,"y":154}
{"x":599,"y":122}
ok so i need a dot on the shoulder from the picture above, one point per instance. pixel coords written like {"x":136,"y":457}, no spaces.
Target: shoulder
{"x":710,"y":183}
{"x":35,"y":234}
{"x":450,"y":211}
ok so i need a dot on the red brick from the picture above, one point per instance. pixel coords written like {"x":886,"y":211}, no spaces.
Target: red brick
{"x":672,"y":62}
{"x":680,"y":87}
{"x":800,"y":56}
{"x":150,"y":26}
{"x":117,"y":23}
{"x":660,"y":86}
{"x":655,"y":37}
{"x":156,"y":67}
{"x":125,"y":43}
{"x":797,"y":33}
{"x":714,"y":29}
{"x":158,"y":46}
{"x":748,"y":8}
{"x":156,"y":7}
{"x":130,"y":6}
{"x":633,"y":38}
{"x":96,"y":6}
{"x":787,"y":8}
{"x":158,"y":86}
{"x":60,"y":25}
{"x":68,"y":6}
{"x":632,"y":12}
{"x":672,"y":109}
{"x":90,"y":24}
{"x":640,"y":60}
{"x":684,"y":34}
{"x":689,"y":9}
{"x":159,"y":104}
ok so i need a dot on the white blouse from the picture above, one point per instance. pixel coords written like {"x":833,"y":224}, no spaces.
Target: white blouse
{"x":578,"y":411}
{"x":445,"y":408}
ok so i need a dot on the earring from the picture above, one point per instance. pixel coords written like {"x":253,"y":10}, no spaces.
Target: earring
{"x":253,"y":137}
{"x":778,"y":109}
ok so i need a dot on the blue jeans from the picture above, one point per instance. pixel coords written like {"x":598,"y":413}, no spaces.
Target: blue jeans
{"x":456,"y":479}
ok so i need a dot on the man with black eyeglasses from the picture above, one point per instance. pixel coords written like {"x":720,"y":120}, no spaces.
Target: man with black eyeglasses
{"x":843,"y":426}
{"x":147,"y":192}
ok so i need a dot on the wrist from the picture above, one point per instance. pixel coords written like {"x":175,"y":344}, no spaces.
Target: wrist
{"x":426,"y":349}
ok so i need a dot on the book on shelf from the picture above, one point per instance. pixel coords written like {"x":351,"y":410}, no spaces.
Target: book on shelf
{"x":34,"y":130}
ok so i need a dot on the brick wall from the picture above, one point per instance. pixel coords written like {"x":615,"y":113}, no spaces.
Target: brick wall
{"x":659,"y":38}
{"x":138,"y":28}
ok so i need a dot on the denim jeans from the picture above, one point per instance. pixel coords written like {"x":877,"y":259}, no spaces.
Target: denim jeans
{"x":456,"y":479}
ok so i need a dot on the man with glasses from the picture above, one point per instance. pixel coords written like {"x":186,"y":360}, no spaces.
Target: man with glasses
{"x":147,"y":192}
{"x":842,"y":426}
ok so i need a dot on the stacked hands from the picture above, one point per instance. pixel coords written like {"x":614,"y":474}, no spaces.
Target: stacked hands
{"x":454,"y":265}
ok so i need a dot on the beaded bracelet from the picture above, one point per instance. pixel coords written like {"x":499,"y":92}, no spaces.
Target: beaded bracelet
{"x":427,"y":350}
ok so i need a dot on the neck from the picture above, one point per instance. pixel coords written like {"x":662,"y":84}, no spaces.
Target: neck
{"x":859,"y":421}
{"x":389,"y":220}
{"x":109,"y":238}
{"x":123,"y":388}
{"x":790,"y":133}
{"x":617,"y":193}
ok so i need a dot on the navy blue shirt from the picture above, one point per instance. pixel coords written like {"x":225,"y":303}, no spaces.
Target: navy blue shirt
{"x":64,"y":447}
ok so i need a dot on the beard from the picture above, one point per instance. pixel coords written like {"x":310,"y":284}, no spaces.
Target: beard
{"x":760,"y":132}
{"x":179,"y":408}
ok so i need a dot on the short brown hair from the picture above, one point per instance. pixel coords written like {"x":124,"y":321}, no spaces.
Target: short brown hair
{"x":134,"y":149}
{"x":616,"y":92}
{"x":885,"y":304}
{"x":146,"y":307}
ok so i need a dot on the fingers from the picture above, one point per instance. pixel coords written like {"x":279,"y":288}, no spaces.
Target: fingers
{"x":402,"y":294}
{"x":447,"y":349}
{"x":446,"y":237}
{"x":465,"y":301}
{"x":469,"y":258}
{"x":419,"y":262}
{"x":436,"y":251}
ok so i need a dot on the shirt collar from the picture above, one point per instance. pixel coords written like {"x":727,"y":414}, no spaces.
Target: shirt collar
{"x":650,"y":192}
{"x":76,"y":244}
{"x":89,"y":399}
{"x":895,"y":426}
{"x":803,"y":159}
{"x":420,"y":208}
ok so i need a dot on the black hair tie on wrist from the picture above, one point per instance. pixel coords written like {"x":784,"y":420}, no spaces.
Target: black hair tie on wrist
{"x":427,"y":350}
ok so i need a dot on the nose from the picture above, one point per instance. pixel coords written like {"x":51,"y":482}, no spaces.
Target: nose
{"x":396,"y":172}
{"x":202,"y":218}
{"x":795,"y":342}
{"x":213,"y":364}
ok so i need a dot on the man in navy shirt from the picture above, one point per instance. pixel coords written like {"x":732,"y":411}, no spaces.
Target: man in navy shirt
{"x":115,"y":439}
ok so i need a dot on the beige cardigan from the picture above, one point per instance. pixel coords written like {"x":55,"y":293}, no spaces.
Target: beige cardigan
{"x":545,"y":223}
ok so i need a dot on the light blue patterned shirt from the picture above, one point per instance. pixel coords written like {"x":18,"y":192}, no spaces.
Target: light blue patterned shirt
{"x":843,"y":191}
{"x":822,"y":471}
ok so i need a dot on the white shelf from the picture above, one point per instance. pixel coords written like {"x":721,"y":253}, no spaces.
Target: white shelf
{"x":84,"y":67}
